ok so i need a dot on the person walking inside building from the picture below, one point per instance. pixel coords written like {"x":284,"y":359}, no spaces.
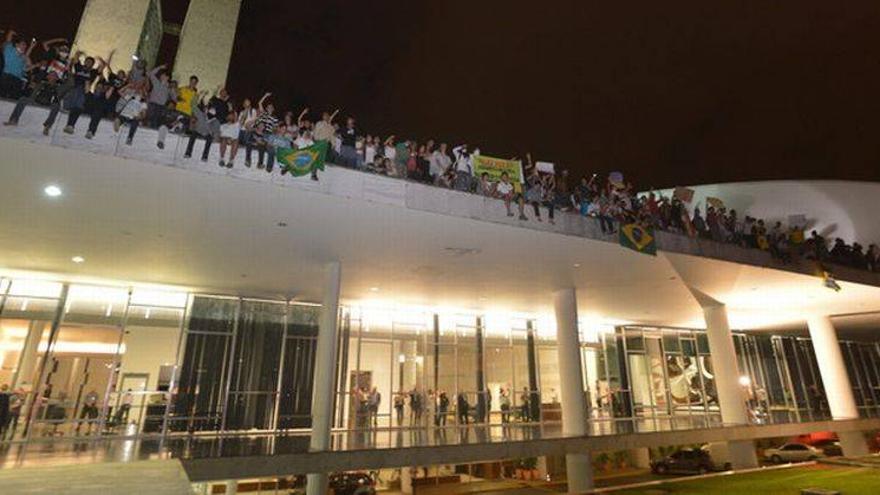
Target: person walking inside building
{"x":442,"y":409}
{"x":5,"y":404}
{"x":398,"y":407}
{"x":89,"y":412}
{"x":373,"y":402}
{"x":504,"y":400}
{"x":524,"y":410}
{"x":124,"y":408}
{"x":463,"y":409}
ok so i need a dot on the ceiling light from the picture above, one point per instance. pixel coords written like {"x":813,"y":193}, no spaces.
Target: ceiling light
{"x":78,"y":259}
{"x":374,"y":289}
{"x":52,"y":191}
{"x":577,"y":265}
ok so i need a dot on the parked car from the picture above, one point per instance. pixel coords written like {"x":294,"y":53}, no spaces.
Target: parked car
{"x":684,"y":461}
{"x":792,"y":452}
{"x":829,"y":447}
{"x":355,"y":483}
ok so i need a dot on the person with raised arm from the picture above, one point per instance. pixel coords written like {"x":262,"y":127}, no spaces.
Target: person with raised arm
{"x":51,"y":89}
{"x":325,"y":130}
{"x":263,"y":127}
{"x":16,"y":56}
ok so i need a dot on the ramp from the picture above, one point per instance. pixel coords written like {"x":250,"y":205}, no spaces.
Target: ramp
{"x":161,"y":477}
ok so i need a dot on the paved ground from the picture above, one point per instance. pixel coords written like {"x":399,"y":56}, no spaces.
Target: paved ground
{"x":133,"y":478}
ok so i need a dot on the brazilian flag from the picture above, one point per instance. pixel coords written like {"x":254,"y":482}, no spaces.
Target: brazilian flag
{"x":305,"y":161}
{"x":638,"y":238}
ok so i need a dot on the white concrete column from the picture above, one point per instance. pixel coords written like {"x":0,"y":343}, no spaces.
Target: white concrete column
{"x":108,"y":25}
{"x":726,"y":372}
{"x":325,"y":371}
{"x":406,"y":477}
{"x":641,"y":457}
{"x":231,"y":487}
{"x":206,"y":41}
{"x":579,"y":467}
{"x":835,"y":379}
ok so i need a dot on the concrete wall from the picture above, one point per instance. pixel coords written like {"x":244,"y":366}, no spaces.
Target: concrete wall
{"x":206,"y":41}
{"x":112,"y":24}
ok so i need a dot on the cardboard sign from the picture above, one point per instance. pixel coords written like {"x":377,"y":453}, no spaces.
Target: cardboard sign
{"x":683,"y":194}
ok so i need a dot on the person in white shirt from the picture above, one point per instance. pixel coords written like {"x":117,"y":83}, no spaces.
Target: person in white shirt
{"x":304,"y":140}
{"x":369,"y":151}
{"x":130,"y":109}
{"x":390,"y":150}
{"x":229,"y":132}
{"x":324,"y":129}
{"x":440,"y":162}
{"x":504,"y":190}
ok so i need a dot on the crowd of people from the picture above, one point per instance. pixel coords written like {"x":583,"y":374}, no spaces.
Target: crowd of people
{"x":417,"y":407}
{"x":87,"y":84}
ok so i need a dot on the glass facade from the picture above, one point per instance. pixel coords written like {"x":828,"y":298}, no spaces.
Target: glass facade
{"x":85,"y":360}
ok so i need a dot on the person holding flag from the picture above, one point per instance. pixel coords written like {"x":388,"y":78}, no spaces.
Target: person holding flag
{"x":303,"y":161}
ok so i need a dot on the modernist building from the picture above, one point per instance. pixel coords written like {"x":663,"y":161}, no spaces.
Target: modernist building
{"x":219,"y":315}
{"x":135,"y":28}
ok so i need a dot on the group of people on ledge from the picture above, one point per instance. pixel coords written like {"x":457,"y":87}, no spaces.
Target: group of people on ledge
{"x":50,"y":73}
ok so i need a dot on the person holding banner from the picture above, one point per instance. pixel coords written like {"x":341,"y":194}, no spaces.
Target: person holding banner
{"x":537,"y":192}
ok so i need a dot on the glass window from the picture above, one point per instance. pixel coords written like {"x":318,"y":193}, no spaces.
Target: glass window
{"x":201,"y":388}
{"x":256,"y":364}
{"x":148,"y":361}
{"x":702,"y":343}
{"x":670,"y":342}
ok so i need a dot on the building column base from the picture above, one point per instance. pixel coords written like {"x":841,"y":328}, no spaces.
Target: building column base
{"x":853,"y":444}
{"x":317,"y":484}
{"x":579,"y":472}
{"x":741,"y":454}
{"x":641,"y":457}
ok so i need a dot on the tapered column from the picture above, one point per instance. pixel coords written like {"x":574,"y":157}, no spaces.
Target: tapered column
{"x":325,"y":369}
{"x":579,"y":467}
{"x":835,"y":379}
{"x":206,"y":42}
{"x":726,"y":371}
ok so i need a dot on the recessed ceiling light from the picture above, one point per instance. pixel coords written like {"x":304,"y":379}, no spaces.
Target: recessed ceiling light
{"x":52,"y":191}
{"x":577,"y":265}
{"x":374,"y":289}
{"x":78,"y":259}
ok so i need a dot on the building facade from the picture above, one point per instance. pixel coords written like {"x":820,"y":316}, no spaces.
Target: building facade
{"x":148,"y":296}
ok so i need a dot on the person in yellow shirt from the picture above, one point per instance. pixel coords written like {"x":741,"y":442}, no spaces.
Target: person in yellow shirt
{"x":185,"y":96}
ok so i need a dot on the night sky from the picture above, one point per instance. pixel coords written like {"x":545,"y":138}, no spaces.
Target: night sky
{"x":670,"y":93}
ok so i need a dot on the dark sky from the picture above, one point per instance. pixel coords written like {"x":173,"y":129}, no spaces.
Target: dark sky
{"x":669,"y":93}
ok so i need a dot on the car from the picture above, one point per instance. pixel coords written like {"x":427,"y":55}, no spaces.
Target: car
{"x":684,"y":461}
{"x":792,"y":452}
{"x":353,"y":483}
{"x":829,"y":447}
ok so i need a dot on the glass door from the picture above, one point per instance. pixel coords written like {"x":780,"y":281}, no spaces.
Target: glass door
{"x":27,"y":312}
{"x":82,"y":364}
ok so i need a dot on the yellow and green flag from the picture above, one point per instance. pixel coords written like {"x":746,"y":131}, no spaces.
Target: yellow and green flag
{"x":305,"y":161}
{"x":638,"y":238}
